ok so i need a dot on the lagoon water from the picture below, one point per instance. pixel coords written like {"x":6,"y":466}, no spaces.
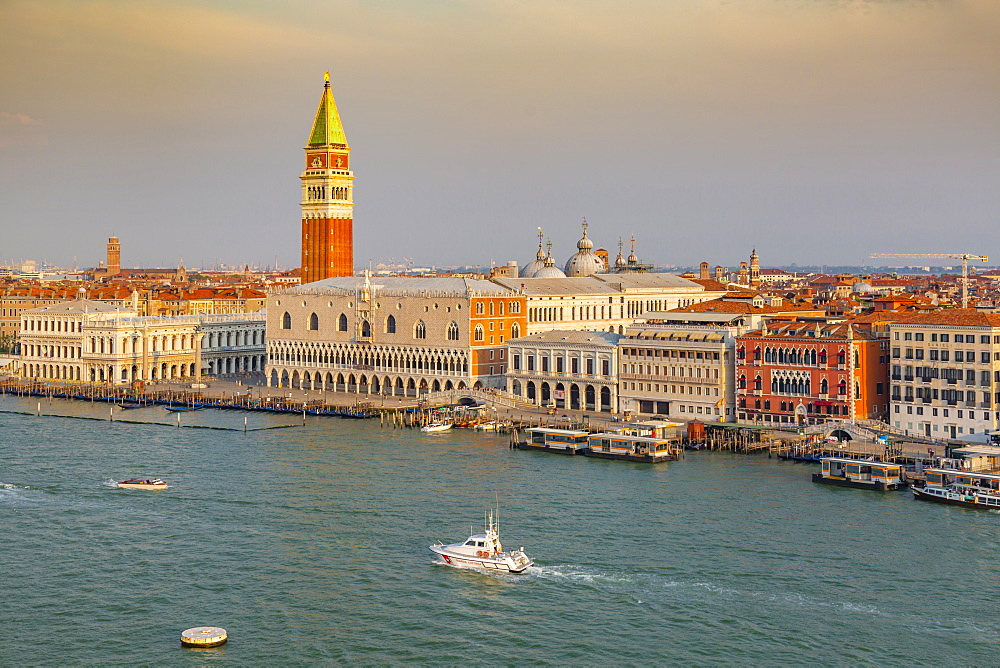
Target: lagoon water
{"x":309,"y":545}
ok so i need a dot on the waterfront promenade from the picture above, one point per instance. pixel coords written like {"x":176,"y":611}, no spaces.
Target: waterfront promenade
{"x":250,"y":391}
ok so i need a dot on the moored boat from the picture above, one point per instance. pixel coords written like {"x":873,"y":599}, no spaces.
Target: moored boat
{"x":436,"y":426}
{"x":182,"y":409}
{"x":960,"y":488}
{"x":860,"y":473}
{"x":484,"y":551}
{"x":563,"y":441}
{"x":142,"y":483}
{"x":632,"y":448}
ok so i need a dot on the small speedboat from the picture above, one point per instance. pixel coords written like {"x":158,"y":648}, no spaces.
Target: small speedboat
{"x":142,"y":483}
{"x":484,"y":551}
{"x":436,"y":426}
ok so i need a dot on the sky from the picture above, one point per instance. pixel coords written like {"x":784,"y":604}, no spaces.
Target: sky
{"x":816,"y":131}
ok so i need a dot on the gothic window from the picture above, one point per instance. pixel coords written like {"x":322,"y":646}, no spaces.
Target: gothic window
{"x":515,"y":307}
{"x":366,"y":329}
{"x":314,"y":322}
{"x":390,"y":325}
{"x":342,"y":323}
{"x":286,"y":321}
{"x":515,"y":331}
{"x":479,"y":308}
{"x":478,"y":335}
{"x":420,"y":330}
{"x":453,"y":331}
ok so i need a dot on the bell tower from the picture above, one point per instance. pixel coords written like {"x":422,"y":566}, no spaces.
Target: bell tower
{"x":327,"y":196}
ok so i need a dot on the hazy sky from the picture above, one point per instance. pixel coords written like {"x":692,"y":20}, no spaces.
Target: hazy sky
{"x":816,"y":130}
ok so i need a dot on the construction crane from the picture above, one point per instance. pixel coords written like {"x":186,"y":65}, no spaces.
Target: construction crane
{"x":964,"y":257}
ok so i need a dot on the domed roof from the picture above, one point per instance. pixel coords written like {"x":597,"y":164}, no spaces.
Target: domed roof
{"x":584,"y":262}
{"x":549,"y":271}
{"x":862,"y":288}
{"x":530,"y":269}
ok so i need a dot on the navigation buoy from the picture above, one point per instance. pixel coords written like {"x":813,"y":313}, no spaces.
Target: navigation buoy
{"x":204,"y":636}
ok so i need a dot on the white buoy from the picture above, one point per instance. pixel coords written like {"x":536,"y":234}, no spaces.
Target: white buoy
{"x":204,"y":636}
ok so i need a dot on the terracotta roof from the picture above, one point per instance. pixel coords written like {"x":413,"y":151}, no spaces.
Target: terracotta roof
{"x":959,"y":317}
{"x":801,"y":330}
{"x":709,"y":284}
{"x":727,"y":306}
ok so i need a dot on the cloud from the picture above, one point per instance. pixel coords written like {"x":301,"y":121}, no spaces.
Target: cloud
{"x":20,"y":130}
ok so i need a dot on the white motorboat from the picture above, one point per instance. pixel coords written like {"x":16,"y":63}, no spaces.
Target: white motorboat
{"x":142,"y":483}
{"x":484,"y":551}
{"x":436,"y":426}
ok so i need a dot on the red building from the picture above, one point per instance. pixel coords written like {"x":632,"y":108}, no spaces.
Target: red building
{"x":327,"y":197}
{"x":805,"y":373}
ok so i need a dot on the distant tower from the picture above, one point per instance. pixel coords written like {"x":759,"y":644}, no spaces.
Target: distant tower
{"x":743,"y":277}
{"x":114,"y":257}
{"x":754,"y":268}
{"x":327,"y":197}
{"x":703,"y":270}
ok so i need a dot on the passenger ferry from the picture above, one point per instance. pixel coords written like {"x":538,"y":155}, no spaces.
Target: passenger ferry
{"x":632,"y":448}
{"x":860,"y":473}
{"x":960,"y":488}
{"x":563,"y":441}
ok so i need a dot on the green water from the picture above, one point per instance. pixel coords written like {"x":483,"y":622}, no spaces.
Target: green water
{"x":309,"y":545}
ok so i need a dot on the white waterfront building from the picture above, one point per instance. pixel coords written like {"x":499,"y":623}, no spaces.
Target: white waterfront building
{"x":565,"y":369}
{"x":91,"y":341}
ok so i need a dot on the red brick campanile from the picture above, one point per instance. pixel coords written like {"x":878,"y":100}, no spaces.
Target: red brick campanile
{"x":327,"y":197}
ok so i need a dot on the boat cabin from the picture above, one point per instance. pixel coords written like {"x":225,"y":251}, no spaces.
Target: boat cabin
{"x":557,"y":439}
{"x":861,"y":470}
{"x":650,"y":429}
{"x":624,"y":446}
{"x":965,"y":481}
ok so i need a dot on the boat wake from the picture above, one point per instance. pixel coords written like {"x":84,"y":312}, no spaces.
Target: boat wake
{"x":647,"y":587}
{"x":12,"y":495}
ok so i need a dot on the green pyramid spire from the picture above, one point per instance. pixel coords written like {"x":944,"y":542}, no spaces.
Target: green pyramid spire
{"x":327,"y":128}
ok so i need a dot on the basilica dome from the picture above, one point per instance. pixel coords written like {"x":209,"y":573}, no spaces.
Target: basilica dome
{"x":584,"y":262}
{"x":529,"y":270}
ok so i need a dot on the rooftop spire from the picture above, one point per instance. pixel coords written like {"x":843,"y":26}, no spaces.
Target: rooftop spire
{"x":327,"y":128}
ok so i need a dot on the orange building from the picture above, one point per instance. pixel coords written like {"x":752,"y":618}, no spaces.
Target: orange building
{"x":806,"y":373}
{"x":327,"y":197}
